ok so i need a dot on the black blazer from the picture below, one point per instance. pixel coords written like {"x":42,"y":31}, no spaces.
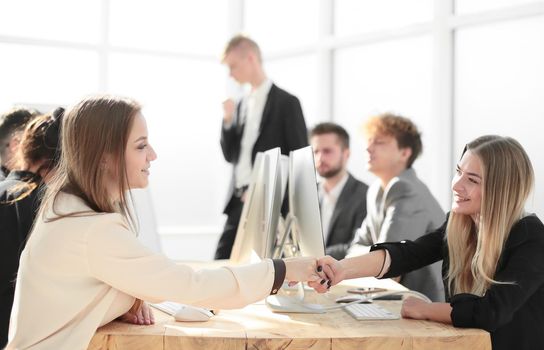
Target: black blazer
{"x":16,"y":220}
{"x":282,"y":125}
{"x":347,"y":217}
{"x":512,"y":313}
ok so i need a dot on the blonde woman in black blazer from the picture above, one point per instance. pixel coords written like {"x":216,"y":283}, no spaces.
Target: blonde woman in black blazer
{"x":492,"y":251}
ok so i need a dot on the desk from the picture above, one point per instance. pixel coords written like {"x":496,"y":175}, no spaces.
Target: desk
{"x":256,"y":327}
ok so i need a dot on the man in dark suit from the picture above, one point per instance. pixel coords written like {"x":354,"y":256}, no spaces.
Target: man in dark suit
{"x":268,"y":117}
{"x":342,"y":198}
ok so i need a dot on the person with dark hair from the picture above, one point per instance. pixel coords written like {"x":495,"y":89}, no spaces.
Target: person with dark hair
{"x":399,"y":205}
{"x":266,"y":118}
{"x":12,"y":124}
{"x":83,"y":266}
{"x":20,"y":199}
{"x":342,"y":198}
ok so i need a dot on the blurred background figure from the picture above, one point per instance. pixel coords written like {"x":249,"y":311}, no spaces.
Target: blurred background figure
{"x":399,"y":204}
{"x":268,"y":117}
{"x":12,"y":124}
{"x":342,"y":198}
{"x":20,"y":198}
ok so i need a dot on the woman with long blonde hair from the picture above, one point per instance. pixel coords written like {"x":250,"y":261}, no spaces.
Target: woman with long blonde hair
{"x":492,"y":251}
{"x":83,"y":265}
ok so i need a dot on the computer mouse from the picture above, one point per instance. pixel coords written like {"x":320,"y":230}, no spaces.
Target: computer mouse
{"x":192,"y":314}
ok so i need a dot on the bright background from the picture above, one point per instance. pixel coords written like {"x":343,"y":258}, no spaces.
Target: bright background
{"x":459,"y":69}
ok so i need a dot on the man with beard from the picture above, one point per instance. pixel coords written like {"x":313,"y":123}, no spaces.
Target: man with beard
{"x":342,"y":198}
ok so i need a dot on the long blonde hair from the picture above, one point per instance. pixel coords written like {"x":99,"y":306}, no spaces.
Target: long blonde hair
{"x":95,"y":128}
{"x":507,"y":181}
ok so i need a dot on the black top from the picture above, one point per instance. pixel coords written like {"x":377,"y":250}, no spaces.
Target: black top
{"x":512,"y":313}
{"x":16,"y":220}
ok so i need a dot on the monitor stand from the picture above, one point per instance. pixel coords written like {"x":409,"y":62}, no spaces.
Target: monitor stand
{"x":288,"y":245}
{"x":291,"y":303}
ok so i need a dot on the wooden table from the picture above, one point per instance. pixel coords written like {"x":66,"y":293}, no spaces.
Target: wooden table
{"x":256,"y":327}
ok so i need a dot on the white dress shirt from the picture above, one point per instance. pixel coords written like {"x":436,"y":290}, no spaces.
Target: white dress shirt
{"x":252,"y":111}
{"x":328,"y":201}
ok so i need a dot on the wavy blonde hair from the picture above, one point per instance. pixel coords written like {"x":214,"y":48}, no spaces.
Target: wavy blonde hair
{"x":507,"y":181}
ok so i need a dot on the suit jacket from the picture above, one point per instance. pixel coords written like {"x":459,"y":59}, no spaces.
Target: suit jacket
{"x":348,"y":214}
{"x":512,"y":313}
{"x":282,"y":125}
{"x":404,"y":210}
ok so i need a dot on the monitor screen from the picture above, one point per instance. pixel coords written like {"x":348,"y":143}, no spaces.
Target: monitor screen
{"x":256,"y":234}
{"x":304,"y":203}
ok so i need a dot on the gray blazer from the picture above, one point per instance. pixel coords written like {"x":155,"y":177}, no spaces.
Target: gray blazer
{"x":404,"y":210}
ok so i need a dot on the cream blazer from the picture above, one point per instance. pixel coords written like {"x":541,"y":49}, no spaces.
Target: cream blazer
{"x":79,"y":273}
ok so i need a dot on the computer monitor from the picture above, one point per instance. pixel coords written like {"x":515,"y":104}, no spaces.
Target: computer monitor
{"x":284,"y":171}
{"x":256,"y":233}
{"x":303,"y":227}
{"x":306,"y":229}
{"x":273,"y":200}
{"x":303,"y":230}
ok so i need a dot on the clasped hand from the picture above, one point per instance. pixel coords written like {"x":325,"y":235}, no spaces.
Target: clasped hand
{"x":331,"y":271}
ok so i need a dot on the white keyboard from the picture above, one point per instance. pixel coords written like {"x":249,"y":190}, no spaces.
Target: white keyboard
{"x":370,"y":312}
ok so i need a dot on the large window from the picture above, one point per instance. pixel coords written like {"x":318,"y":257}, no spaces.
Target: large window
{"x":282,"y":24}
{"x":165,"y":54}
{"x":458,"y":68}
{"x":373,"y":79}
{"x":75,"y":21}
{"x":500,"y":88}
{"x":46,"y":74}
{"x":171,"y":25}
{"x":472,"y":6}
{"x":356,"y":17}
{"x":183,"y":118}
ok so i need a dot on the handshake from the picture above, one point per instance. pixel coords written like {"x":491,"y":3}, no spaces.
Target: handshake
{"x":320,"y":274}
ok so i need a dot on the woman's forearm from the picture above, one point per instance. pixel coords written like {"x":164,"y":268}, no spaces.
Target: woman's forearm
{"x":363,"y":265}
{"x":439,"y":312}
{"x":419,"y":309}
